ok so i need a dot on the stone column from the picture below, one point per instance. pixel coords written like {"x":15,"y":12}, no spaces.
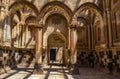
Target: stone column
{"x":38,"y":45}
{"x":107,"y":17}
{"x":19,"y":33}
{"x":109,"y":28}
{"x":73,"y":50}
{"x":23,"y":35}
{"x":27,"y":34}
{"x":38,"y":56}
{"x":73,"y":45}
{"x":69,"y":38}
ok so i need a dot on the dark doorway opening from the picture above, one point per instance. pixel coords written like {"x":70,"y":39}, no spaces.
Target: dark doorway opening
{"x":52,"y":54}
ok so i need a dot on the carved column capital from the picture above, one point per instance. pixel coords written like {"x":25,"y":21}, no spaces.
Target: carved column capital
{"x":73,"y":28}
{"x":21,"y":24}
{"x":40,"y":26}
{"x":74,"y":23}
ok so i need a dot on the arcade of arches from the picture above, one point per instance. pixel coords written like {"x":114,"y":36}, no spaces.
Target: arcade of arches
{"x":73,"y":33}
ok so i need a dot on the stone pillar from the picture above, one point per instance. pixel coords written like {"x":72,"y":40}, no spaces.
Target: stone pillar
{"x":23,"y":35}
{"x":108,"y":19}
{"x":27,"y":34}
{"x":89,"y":41}
{"x":109,"y":28}
{"x":73,"y":45}
{"x":73,"y":50}
{"x":69,"y":38}
{"x":107,"y":16}
{"x":19,"y":38}
{"x":38,"y":45}
{"x":38,"y":56}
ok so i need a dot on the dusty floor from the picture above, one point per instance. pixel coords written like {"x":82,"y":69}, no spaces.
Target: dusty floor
{"x":57,"y":72}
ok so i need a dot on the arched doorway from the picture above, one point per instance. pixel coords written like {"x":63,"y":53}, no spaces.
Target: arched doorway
{"x":56,"y":48}
{"x":55,"y":33}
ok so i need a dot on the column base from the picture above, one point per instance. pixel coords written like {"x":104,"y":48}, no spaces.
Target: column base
{"x":37,"y":69}
{"x":74,"y":70}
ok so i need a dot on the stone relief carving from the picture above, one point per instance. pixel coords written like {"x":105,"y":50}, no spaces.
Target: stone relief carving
{"x":22,"y":34}
{"x":56,"y":39}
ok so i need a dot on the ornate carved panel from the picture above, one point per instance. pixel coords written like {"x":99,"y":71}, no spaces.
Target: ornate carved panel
{"x":99,"y":33}
{"x":116,"y":28}
{"x":6,"y":32}
{"x":81,"y":25}
{"x":55,"y":23}
{"x":118,"y":25}
{"x":22,"y":35}
{"x":82,"y":33}
{"x":82,"y":38}
{"x":56,"y":40}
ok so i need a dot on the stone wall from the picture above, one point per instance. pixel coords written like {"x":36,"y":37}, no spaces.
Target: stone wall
{"x":82,"y":58}
{"x":101,"y":59}
{"x":11,"y":59}
{"x":8,"y":58}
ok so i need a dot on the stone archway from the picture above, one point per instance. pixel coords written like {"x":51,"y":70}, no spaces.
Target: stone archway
{"x":56,"y":48}
{"x":55,"y":24}
{"x":92,"y":14}
{"x":55,"y":7}
{"x":17,"y":5}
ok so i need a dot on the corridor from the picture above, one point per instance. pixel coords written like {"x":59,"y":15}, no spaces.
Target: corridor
{"x":57,"y":72}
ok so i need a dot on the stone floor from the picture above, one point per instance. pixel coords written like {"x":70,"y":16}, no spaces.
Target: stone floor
{"x":57,"y":72}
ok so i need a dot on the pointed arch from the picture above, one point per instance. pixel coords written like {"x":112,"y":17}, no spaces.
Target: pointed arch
{"x":20,"y":4}
{"x":58,"y":3}
{"x":31,"y":20}
{"x":55,"y":7}
{"x":60,"y":35}
{"x":90,"y":6}
{"x":96,"y":12}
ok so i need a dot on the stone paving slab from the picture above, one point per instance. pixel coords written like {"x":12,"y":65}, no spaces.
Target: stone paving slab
{"x":57,"y":72}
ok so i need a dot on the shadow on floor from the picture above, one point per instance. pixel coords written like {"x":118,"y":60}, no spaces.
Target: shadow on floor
{"x":55,"y":71}
{"x":17,"y":70}
{"x":60,"y":70}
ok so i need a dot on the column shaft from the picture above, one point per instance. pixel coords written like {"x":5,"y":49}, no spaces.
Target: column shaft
{"x":73,"y":45}
{"x":73,"y":42}
{"x":38,"y":45}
